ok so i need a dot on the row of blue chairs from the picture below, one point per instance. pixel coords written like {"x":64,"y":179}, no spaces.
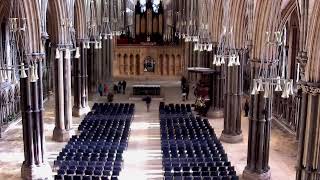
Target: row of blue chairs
{"x":190,"y":148}
{"x":113,"y":108}
{"x":97,"y":152}
{"x":175,"y":109}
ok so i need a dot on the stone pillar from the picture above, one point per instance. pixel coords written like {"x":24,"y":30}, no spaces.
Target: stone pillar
{"x":308,"y":147}
{"x":216,"y":110}
{"x":110,"y":60}
{"x":63,"y":125}
{"x":80,"y":105}
{"x":91,"y":70}
{"x":259,"y":135}
{"x":35,"y":165}
{"x":232,"y":132}
{"x":96,"y":63}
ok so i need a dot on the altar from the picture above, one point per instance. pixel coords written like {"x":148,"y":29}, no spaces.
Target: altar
{"x":152,"y":90}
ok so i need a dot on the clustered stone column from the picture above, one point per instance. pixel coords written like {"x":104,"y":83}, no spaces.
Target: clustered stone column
{"x":93,"y":63}
{"x":35,"y":165}
{"x":218,"y":90}
{"x":259,"y":135}
{"x":63,"y":122}
{"x":99,"y":64}
{"x":309,"y":143}
{"x":232,"y":132}
{"x":107,"y":55}
{"x":80,"y":106}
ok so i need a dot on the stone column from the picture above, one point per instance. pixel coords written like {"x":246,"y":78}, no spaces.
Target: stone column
{"x":96,"y":63}
{"x":308,"y":161}
{"x":63,"y":125}
{"x":232,"y":132}
{"x":259,"y":135}
{"x":91,"y":70}
{"x":35,"y":165}
{"x":80,"y":105}
{"x":216,"y":110}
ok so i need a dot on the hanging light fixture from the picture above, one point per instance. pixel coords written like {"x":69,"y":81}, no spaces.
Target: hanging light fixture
{"x":71,"y":44}
{"x":14,"y":77}
{"x":2,"y":79}
{"x":278,"y":86}
{"x":18,"y":48}
{"x":33,"y":77}
{"x":23,"y":71}
{"x":36,"y":72}
{"x":77,"y":55}
{"x":274,"y":61}
{"x":260,"y":85}
{"x":94,"y":36}
{"x":226,"y":48}
{"x":255,"y":88}
{"x":58,"y":54}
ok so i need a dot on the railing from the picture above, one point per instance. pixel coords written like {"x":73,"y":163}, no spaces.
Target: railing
{"x":9,"y":104}
{"x":286,"y":112}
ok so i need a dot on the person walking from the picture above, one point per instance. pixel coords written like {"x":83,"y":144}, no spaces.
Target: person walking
{"x":246,"y":108}
{"x":148,"y":102}
{"x":183,"y":81}
{"x":184,"y":93}
{"x":106,"y":89}
{"x":187,"y":87}
{"x":115,"y":88}
{"x":100,"y":89}
{"x":110,"y":97}
{"x":124,"y":86}
{"x":119,"y":87}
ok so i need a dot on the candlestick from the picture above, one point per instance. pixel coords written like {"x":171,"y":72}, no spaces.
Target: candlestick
{"x":298,"y":72}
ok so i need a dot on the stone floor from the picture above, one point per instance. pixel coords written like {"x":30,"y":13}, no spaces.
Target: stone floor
{"x":142,"y":160}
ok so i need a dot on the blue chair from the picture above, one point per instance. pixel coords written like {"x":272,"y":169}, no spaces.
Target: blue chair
{"x":58,"y":177}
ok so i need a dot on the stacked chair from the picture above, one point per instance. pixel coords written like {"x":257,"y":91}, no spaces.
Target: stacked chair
{"x":190,"y":148}
{"x":96,"y":153}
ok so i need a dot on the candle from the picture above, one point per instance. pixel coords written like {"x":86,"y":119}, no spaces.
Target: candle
{"x":298,"y":72}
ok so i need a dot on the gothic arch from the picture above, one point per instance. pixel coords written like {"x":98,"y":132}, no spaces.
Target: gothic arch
{"x":217,"y":14}
{"x":263,"y":14}
{"x":56,"y":12}
{"x":313,"y":45}
{"x":80,"y":20}
{"x":287,"y":11}
{"x":29,"y":10}
{"x":238,"y":17}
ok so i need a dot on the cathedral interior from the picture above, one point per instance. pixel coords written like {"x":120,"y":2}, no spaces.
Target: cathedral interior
{"x":160,"y":89}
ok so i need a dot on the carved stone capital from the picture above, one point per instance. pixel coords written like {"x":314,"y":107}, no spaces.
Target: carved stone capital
{"x":309,"y":88}
{"x":302,"y":58}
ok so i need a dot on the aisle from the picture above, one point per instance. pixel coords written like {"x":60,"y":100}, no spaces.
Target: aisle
{"x":142,"y":159}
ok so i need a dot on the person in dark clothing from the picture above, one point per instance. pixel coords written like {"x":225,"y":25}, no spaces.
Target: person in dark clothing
{"x":110,"y":97}
{"x":183,"y":81}
{"x":184,"y":93}
{"x":187,"y":90}
{"x":100,"y":89}
{"x":119,"y":87}
{"x":246,"y":108}
{"x":148,"y":102}
{"x":124,"y":86}
{"x":115,"y":89}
